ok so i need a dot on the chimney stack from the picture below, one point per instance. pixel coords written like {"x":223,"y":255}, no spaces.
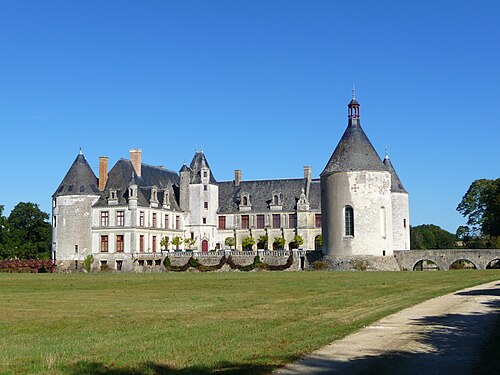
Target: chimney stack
{"x":307,"y":172}
{"x":237,"y":177}
{"x":136,"y":159}
{"x":103,"y":172}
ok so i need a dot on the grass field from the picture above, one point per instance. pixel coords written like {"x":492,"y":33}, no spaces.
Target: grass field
{"x":196,"y":322}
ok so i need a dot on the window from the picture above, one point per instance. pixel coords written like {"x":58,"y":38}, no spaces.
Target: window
{"x":119,"y":265}
{"x":76,"y":249}
{"x":404,"y":223}
{"x":245,"y":221}
{"x":245,"y":201}
{"x":317,"y":221}
{"x":205,"y":205}
{"x":349,"y":221}
{"x":154,"y":244}
{"x":120,"y":218}
{"x":104,"y":218}
{"x":141,"y":218}
{"x":276,"y":221}
{"x":104,"y":244}
{"x":154,"y":219}
{"x":260,"y":221}
{"x":141,"y":243}
{"x":292,"y":221}
{"x":177,"y":222}
{"x":275,"y":200}
{"x":222,"y":222}
{"x":205,"y":174}
{"x":205,"y":187}
{"x":204,"y":220}
{"x":119,"y":243}
{"x":167,"y":224}
{"x":54,"y":221}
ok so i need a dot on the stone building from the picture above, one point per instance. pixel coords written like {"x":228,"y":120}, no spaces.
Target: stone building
{"x":359,"y":206}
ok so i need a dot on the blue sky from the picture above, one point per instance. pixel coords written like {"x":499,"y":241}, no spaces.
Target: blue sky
{"x":261,"y":86}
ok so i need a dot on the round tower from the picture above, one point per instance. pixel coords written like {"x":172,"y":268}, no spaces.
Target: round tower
{"x":356,"y":201}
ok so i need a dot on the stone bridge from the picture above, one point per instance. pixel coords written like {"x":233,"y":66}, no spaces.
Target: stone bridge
{"x":481,"y":258}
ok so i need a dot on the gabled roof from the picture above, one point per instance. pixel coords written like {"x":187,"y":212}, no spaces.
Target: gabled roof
{"x":396,"y":184}
{"x":354,"y":152}
{"x":80,"y":179}
{"x":261,"y":191}
{"x":199,"y":161}
{"x":122,"y":174}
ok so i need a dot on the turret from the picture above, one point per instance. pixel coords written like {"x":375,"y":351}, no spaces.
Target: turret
{"x":185,"y":179}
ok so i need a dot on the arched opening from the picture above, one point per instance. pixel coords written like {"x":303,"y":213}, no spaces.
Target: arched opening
{"x":462,"y":264}
{"x":349,"y":221}
{"x":493,"y":265}
{"x":204,"y":246}
{"x":245,"y":201}
{"x":425,"y":265}
{"x":276,"y":200}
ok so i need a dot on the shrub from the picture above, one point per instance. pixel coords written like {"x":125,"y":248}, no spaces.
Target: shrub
{"x":247,"y":243}
{"x":319,"y":265}
{"x":87,"y":263}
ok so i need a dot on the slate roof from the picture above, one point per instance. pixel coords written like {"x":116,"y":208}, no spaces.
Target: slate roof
{"x":199,"y":161}
{"x":396,"y":184}
{"x":80,"y":180}
{"x":354,"y":152}
{"x":261,"y":192}
{"x":121,"y":175}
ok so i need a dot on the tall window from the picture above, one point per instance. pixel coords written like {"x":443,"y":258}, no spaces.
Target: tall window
{"x":260,"y":221}
{"x":245,"y":201}
{"x":154,"y":219}
{"x":245,"y":221}
{"x":349,"y":221}
{"x":104,"y":218}
{"x":141,"y":218}
{"x":104,"y":244}
{"x":222,"y":222}
{"x":154,"y":244}
{"x":276,"y":200}
{"x":276,"y":221}
{"x":119,"y":243}
{"x":167,"y":224}
{"x":177,"y":222}
{"x":317,"y":220}
{"x":292,"y":221}
{"x":141,"y":243}
{"x":120,"y":218}
{"x":205,"y":205}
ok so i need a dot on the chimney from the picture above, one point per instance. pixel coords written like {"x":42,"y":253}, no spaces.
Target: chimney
{"x":103,"y":172}
{"x":307,"y":177}
{"x":135,"y":158}
{"x":237,"y":177}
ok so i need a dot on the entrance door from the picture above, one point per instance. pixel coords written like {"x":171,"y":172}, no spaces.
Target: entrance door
{"x":204,"y":246}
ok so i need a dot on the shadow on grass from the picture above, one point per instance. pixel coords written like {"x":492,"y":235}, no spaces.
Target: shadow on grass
{"x":96,"y":368}
{"x":455,"y":344}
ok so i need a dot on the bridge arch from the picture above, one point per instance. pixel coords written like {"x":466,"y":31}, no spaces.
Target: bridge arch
{"x":425,"y":265}
{"x":462,"y":264}
{"x":493,"y":264}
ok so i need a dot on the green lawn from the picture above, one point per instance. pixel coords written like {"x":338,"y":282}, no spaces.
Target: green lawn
{"x":196,"y":322}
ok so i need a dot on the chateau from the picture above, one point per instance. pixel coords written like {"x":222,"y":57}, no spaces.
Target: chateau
{"x":359,"y":206}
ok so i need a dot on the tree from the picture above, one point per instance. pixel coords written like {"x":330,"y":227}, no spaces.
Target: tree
{"x":297,"y":241}
{"x":176,"y":241}
{"x":262,"y":242}
{"x":3,"y":234}
{"x":279,"y":243}
{"x":247,"y":243}
{"x":29,"y":233}
{"x":429,"y":236}
{"x":164,"y":242}
{"x":481,"y":206}
{"x":230,"y":241}
{"x":189,"y":242}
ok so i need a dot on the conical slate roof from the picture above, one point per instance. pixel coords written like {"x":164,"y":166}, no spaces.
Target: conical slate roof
{"x":80,"y":179}
{"x":199,"y":161}
{"x":396,"y":184}
{"x":354,"y":152}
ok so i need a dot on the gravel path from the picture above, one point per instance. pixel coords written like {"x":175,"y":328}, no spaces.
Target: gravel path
{"x":439,"y":336}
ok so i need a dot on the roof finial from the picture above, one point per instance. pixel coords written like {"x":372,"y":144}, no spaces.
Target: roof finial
{"x":386,"y":153}
{"x":353,"y":92}
{"x":81,"y":152}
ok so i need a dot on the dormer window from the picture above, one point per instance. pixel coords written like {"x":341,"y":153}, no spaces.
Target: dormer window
{"x":205,"y":174}
{"x":132,"y":192}
{"x":276,"y":202}
{"x":276,"y":199}
{"x":113,"y":197}
{"x":245,"y":204}
{"x":245,"y":201}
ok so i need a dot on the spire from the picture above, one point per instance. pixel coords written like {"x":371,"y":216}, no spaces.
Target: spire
{"x":81,"y":152}
{"x":353,"y":92}
{"x":80,"y":179}
{"x":353,"y":109}
{"x":386,"y":153}
{"x":396,"y":184}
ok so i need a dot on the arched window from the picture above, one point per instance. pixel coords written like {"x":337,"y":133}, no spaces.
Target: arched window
{"x":349,"y":221}
{"x":245,"y":201}
{"x":276,"y":200}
